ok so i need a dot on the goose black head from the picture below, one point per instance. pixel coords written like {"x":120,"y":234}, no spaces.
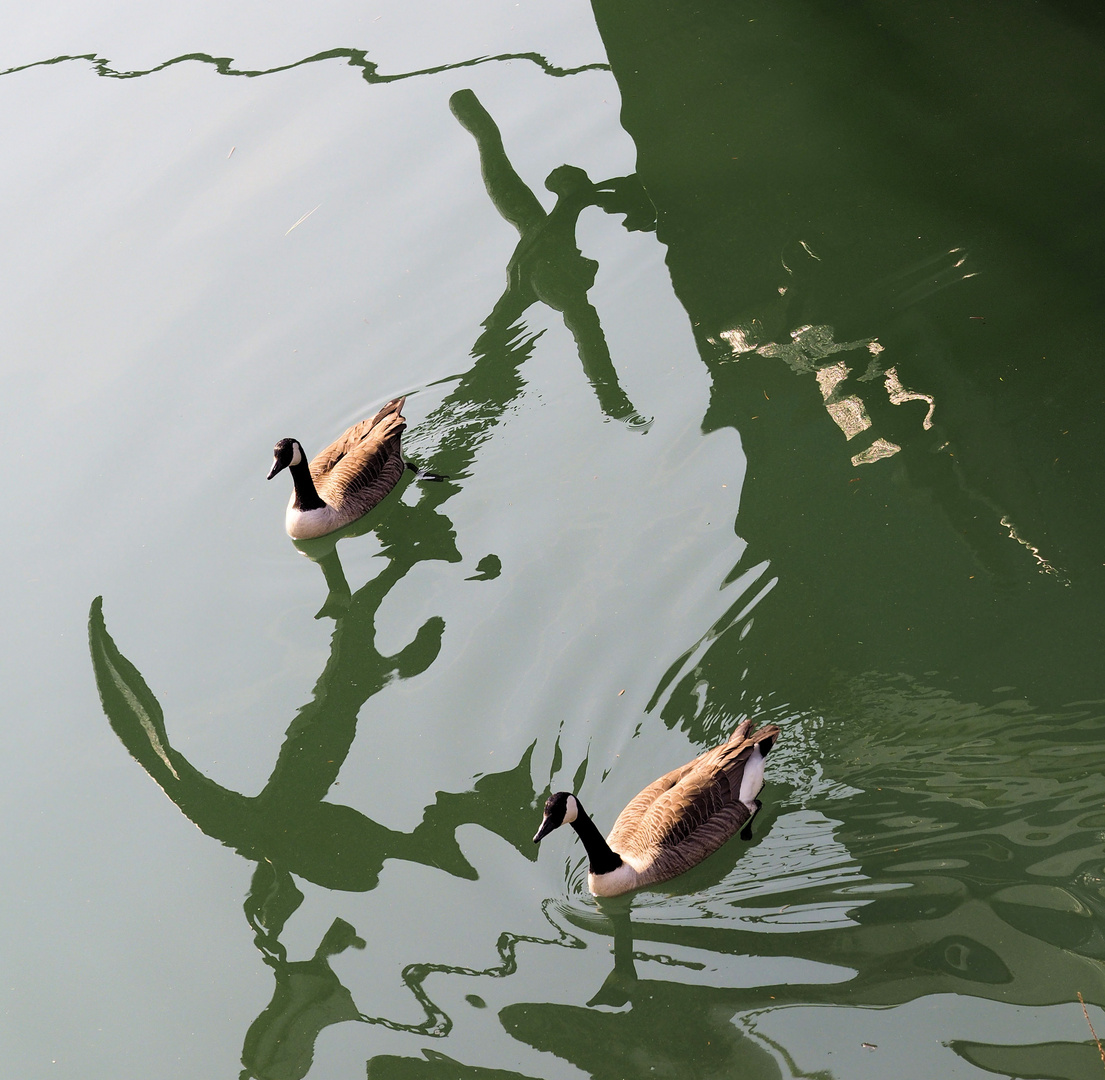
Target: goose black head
{"x":561,"y":809}
{"x":286,"y":452}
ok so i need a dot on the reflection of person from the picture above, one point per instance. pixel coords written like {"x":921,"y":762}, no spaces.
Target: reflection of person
{"x":547,"y":266}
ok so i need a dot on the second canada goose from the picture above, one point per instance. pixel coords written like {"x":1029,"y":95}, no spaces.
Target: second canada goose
{"x":677,"y":820}
{"x":348,"y":478}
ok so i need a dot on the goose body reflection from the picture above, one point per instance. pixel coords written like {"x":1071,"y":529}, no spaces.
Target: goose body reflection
{"x":677,"y":821}
{"x":348,"y":478}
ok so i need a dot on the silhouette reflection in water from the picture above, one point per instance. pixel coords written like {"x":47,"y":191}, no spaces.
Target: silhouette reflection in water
{"x":547,"y":266}
{"x":354,"y":58}
{"x":309,"y":997}
{"x":290,"y":829}
{"x":636,"y":1027}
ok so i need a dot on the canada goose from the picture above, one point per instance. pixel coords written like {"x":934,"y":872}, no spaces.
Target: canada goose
{"x":677,"y":820}
{"x":348,"y":478}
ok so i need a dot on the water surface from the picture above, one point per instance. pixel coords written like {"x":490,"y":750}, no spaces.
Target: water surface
{"x":781,"y":400}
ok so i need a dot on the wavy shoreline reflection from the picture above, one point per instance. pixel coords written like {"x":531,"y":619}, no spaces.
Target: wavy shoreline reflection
{"x":358,"y":58}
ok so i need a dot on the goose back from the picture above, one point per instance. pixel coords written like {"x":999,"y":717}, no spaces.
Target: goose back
{"x":352,"y":474}
{"x":362,"y":466}
{"x":690,"y":812}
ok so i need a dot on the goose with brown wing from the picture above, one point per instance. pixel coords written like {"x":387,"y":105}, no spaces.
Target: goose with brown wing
{"x":677,"y":821}
{"x":348,"y":478}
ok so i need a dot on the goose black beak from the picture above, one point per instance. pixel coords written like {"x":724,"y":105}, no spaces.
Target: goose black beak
{"x":276,"y":467}
{"x":547,"y":827}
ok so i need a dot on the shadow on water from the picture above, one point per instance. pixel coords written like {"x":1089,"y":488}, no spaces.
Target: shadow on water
{"x":290,"y":829}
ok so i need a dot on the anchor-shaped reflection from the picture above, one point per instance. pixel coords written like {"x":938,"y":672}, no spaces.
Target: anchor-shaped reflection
{"x":546,"y":265}
{"x":289,"y":828}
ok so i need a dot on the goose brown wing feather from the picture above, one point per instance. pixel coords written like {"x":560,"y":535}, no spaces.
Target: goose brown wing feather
{"x":690,"y":812}
{"x":362,"y":487}
{"x":365,"y":463}
{"x":325,"y":460}
{"x":678,"y":813}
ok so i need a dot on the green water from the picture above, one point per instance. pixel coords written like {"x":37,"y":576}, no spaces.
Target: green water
{"x":783,"y":400}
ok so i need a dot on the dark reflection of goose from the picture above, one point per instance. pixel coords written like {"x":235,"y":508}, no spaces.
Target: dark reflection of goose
{"x":547,"y":266}
{"x":323,"y":550}
{"x":635,"y":1026}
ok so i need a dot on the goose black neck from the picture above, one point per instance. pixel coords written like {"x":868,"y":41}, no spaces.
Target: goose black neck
{"x":601,"y":858}
{"x":306,"y":497}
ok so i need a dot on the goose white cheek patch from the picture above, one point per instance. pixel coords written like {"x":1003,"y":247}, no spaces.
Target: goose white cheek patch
{"x":571,"y":810}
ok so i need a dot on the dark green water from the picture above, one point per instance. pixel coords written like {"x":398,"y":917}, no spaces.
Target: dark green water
{"x":759,"y":344}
